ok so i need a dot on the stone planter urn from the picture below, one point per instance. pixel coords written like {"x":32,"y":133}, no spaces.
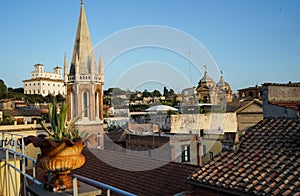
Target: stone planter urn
{"x":59,"y":157}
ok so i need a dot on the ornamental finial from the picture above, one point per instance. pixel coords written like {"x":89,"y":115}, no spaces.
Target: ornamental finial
{"x":82,"y":2}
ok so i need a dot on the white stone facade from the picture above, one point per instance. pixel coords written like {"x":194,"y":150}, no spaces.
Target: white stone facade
{"x":45,"y":83}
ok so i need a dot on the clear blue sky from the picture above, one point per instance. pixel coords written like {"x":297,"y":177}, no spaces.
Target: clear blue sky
{"x":252,"y":42}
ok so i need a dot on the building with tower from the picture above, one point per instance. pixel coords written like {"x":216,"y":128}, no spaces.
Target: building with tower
{"x":206,"y":88}
{"x":84,"y":83}
{"x":208,"y":91}
{"x":45,"y":83}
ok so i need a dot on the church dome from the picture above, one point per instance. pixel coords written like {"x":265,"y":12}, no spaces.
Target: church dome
{"x":224,"y":84}
{"x":206,"y":81}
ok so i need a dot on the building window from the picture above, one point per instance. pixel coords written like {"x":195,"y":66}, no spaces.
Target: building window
{"x":229,"y":136}
{"x":203,"y":150}
{"x":129,"y":146}
{"x":185,"y":153}
{"x":143,"y":150}
{"x":73,"y":108}
{"x":211,"y":155}
{"x":85,"y":104}
{"x":96,"y":105}
{"x":136,"y":148}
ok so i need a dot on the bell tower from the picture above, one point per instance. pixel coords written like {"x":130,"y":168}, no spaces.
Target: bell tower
{"x":84,"y":83}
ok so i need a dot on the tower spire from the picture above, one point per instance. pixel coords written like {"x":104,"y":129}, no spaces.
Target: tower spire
{"x":83,"y":47}
{"x":84,"y":88}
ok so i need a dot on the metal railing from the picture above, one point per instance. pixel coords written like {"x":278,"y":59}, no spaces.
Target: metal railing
{"x":15,"y":164}
{"x":98,"y":184}
{"x":13,"y":146}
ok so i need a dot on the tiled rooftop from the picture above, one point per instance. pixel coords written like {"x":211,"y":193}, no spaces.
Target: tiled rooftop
{"x":251,"y":88}
{"x":117,"y":135}
{"x":23,"y":112}
{"x":293,"y":104}
{"x":104,"y":166}
{"x":295,"y":84}
{"x":238,"y":104}
{"x":267,"y":162}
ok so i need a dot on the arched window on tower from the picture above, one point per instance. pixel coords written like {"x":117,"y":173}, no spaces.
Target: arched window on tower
{"x":205,"y":99}
{"x":96,"y":105}
{"x":73,"y":108}
{"x":250,"y":94}
{"x":85,"y":104}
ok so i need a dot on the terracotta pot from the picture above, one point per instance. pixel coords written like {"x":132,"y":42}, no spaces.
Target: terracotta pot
{"x":60,"y":158}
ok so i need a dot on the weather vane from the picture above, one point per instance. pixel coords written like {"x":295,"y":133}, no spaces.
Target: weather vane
{"x":82,"y":2}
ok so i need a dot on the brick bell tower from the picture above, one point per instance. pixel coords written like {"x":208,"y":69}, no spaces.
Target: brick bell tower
{"x":84,"y":84}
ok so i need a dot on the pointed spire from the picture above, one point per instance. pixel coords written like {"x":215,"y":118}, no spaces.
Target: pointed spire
{"x":83,"y":47}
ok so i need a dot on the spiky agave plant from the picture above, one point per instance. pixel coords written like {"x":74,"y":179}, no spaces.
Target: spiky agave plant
{"x":59,"y":128}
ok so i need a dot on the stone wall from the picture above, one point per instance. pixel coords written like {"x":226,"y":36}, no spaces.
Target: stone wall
{"x":283,"y":93}
{"x":212,"y":122}
{"x":280,"y":93}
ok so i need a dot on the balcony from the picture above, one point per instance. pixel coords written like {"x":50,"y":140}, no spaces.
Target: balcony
{"x":19,"y":173}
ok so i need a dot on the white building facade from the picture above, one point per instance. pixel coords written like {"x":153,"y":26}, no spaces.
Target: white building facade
{"x":45,"y":83}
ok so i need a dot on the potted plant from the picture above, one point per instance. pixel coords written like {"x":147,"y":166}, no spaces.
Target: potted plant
{"x":61,"y":149}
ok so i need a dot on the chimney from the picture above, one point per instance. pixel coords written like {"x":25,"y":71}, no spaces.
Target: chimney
{"x":236,"y":142}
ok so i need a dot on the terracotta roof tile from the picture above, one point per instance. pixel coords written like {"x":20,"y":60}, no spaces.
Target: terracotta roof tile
{"x":167,"y":179}
{"x":271,"y":167}
{"x":292,"y":105}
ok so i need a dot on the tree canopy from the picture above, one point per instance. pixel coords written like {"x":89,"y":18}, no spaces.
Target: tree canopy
{"x":3,"y":90}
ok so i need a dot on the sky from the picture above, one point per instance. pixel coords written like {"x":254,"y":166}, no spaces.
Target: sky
{"x":250,"y":41}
